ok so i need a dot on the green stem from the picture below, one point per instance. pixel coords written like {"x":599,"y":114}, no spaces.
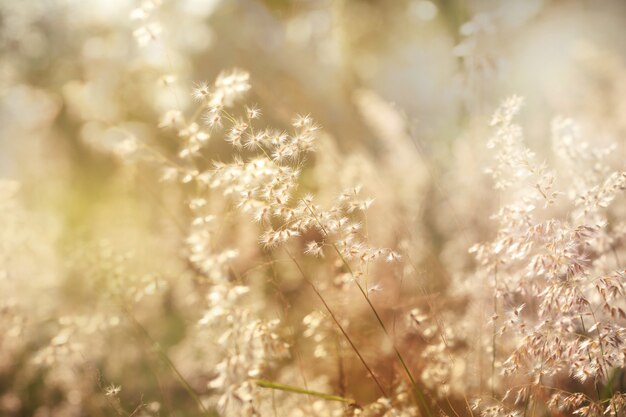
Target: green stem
{"x":297,"y":390}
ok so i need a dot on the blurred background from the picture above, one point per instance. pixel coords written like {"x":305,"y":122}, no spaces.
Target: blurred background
{"x":75,"y":64}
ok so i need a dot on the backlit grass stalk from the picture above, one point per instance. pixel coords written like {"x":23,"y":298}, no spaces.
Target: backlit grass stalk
{"x":163,"y":355}
{"x":417,"y":392}
{"x":343,"y":331}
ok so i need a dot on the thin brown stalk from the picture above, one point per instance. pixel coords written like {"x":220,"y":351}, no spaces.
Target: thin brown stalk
{"x":417,"y":392}
{"x":163,"y":355}
{"x":343,"y":331}
{"x":495,"y":329}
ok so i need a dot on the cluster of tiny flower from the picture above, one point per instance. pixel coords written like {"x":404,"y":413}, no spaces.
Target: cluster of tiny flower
{"x":561,"y":265}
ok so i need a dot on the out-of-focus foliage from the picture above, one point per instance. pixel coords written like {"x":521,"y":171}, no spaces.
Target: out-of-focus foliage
{"x":312,"y":208}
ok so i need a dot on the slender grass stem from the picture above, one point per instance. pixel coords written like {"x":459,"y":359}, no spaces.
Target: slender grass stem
{"x":495,"y":330}
{"x":417,"y":392}
{"x":297,"y":390}
{"x":332,"y":314}
{"x":163,"y":355}
{"x":603,"y":356}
